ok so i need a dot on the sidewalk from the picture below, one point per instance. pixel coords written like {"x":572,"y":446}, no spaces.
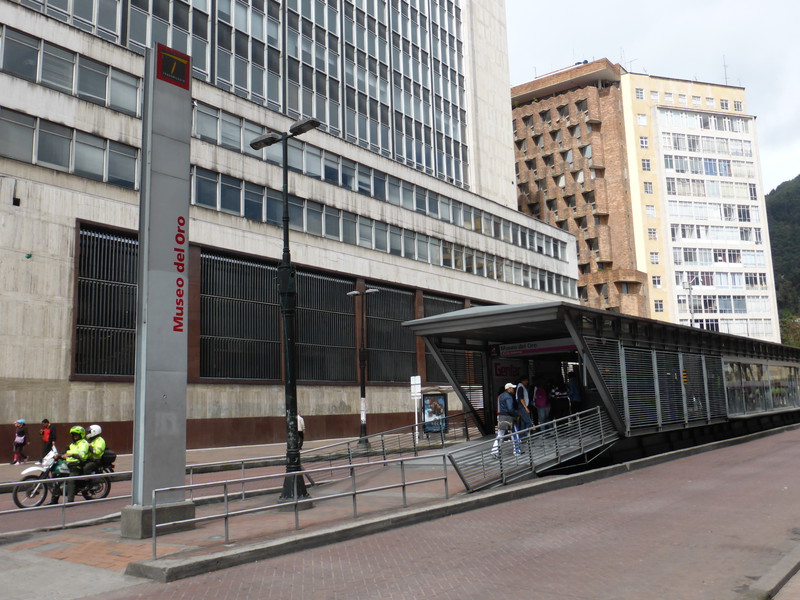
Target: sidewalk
{"x":716,"y":522}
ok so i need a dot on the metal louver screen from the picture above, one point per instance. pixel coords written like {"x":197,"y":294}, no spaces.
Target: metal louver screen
{"x":641,"y":390}
{"x":716,"y":387}
{"x":695,"y":387}
{"x":391,"y":347}
{"x":240,"y":320}
{"x":606,"y":356}
{"x":105,"y":311}
{"x":437,"y":306}
{"x":669,"y":387}
{"x":468,"y":368}
{"x":326,"y":340}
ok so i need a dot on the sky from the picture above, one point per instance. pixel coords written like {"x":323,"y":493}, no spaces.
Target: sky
{"x":756,"y":44}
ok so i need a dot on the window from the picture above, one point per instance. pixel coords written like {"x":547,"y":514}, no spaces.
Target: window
{"x":737,"y":105}
{"x":652,"y":233}
{"x":668,"y":97}
{"x":640,"y":93}
{"x":644,"y":142}
{"x":682,"y":99}
{"x":696,"y":101}
{"x":648,"y":187}
{"x":21,"y":55}
{"x":58,"y":68}
{"x":92,"y":80}
{"x":16,"y":135}
{"x":709,"y":102}
{"x":650,"y":210}
{"x":645,"y":164}
{"x":54,"y":145}
{"x":723,"y":104}
{"x":658,"y":305}
{"x":653,"y":96}
{"x":654,"y":258}
{"x":641,"y":119}
{"x":90,"y":152}
{"x":656,"y":279}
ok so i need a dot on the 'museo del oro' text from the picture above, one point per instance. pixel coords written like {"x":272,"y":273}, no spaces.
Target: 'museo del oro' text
{"x":179,"y":318}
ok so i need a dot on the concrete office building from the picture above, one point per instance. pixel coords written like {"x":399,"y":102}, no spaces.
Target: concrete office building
{"x":407,"y":188}
{"x":659,"y":180}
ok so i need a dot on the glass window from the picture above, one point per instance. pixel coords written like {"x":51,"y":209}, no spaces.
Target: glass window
{"x":332,"y":220}
{"x":123,"y":92}
{"x":274,"y":213}
{"x":253,"y":202}
{"x":205,"y":123}
{"x":381,"y":236}
{"x":205,"y":188}
{"x":21,"y":55}
{"x":58,"y":68}
{"x":16,"y":135}
{"x":348,"y":174}
{"x":364,"y":180}
{"x":365,"y":232}
{"x":231,"y":132}
{"x":89,"y":156}
{"x":348,"y":228}
{"x":313,"y":162}
{"x":92,"y":80}
{"x":313,"y":218}
{"x":295,"y":155}
{"x":331,"y":168}
{"x":54,"y":145}
{"x":230,"y":194}
{"x":121,"y":164}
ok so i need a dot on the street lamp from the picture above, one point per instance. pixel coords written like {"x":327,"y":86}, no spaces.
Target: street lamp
{"x":362,"y":361}
{"x":293,"y":486}
{"x":687,"y":285}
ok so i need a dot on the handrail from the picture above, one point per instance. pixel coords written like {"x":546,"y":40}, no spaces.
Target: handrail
{"x":297,"y":503}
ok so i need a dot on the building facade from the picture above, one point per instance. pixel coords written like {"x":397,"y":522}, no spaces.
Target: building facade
{"x":659,"y":180}
{"x":407,"y":188}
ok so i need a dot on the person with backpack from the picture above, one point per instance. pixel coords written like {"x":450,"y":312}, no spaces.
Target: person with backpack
{"x":506,"y":415}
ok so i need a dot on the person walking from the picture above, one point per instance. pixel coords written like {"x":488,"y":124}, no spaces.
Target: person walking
{"x":523,"y":403}
{"x":20,"y":441}
{"x":506,"y":415}
{"x":574,"y":392}
{"x":541,"y":402}
{"x":48,"y":435}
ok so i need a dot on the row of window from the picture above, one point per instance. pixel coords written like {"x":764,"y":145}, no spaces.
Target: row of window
{"x":230,"y":131}
{"x":757,"y":328}
{"x":228,"y":194}
{"x":42,"y":62}
{"x":714,"y":211}
{"x":99,"y":17}
{"x":707,"y":188}
{"x":724,"y":280}
{"x":706,"y":144}
{"x":710,"y":256}
{"x":711,"y":122}
{"x":697,"y":101}
{"x":722,"y":167}
{"x":47,"y":144}
{"x":723,"y":304}
{"x":715,"y":233}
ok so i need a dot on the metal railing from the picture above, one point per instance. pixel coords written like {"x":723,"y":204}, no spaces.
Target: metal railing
{"x":532,"y":450}
{"x":297,"y":504}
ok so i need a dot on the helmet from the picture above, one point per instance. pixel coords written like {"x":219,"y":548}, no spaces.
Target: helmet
{"x":79,"y":430}
{"x":94,"y":431}
{"x":21,"y":421}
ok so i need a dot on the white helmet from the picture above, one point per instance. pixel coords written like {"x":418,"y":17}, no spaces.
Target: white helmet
{"x":93,"y":431}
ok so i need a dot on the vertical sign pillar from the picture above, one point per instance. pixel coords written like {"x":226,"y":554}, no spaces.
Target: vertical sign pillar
{"x":159,"y":444}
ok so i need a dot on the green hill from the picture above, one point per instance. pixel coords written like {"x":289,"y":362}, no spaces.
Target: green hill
{"x":783,"y":217}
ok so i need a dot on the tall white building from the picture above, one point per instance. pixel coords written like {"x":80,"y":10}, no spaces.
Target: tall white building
{"x":702,"y":225}
{"x":408,"y":188}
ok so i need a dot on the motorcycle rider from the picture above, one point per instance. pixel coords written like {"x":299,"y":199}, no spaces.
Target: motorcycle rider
{"x":75,"y":456}
{"x":97,"y":447}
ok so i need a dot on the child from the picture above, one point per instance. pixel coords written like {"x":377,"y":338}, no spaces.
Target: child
{"x":20,"y":441}
{"x":48,"y":434}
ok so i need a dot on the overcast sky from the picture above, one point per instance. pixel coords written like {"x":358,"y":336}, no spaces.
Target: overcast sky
{"x":683,"y":39}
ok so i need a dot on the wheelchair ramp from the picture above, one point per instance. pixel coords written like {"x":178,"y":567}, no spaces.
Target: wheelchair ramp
{"x":533,"y":450}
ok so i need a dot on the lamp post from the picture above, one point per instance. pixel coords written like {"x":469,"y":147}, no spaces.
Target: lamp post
{"x":362,"y":361}
{"x":293,"y":486}
{"x":687,"y":285}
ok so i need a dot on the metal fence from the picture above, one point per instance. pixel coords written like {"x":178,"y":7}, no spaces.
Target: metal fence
{"x":532,"y":450}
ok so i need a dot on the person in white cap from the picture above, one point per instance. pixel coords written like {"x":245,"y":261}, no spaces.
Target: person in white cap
{"x":506,"y":415}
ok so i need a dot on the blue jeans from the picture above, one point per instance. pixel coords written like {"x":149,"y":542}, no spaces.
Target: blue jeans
{"x":544,"y":414}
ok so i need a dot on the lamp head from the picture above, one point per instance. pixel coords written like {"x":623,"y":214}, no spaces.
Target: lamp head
{"x":268,"y":139}
{"x":304,"y":125}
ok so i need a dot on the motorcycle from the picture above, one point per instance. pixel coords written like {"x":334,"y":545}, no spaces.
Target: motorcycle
{"x":39,"y":481}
